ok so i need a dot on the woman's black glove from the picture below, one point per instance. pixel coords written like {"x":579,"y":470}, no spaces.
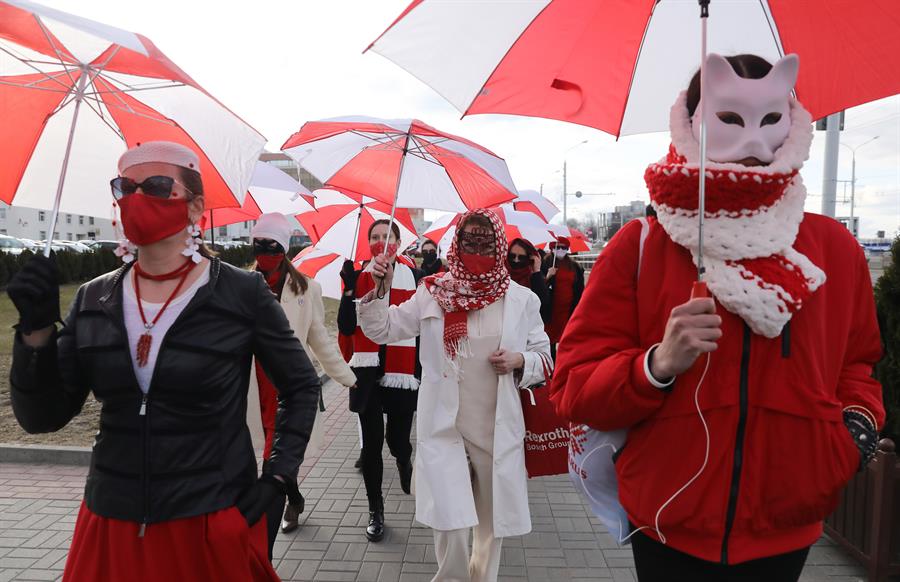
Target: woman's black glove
{"x":254,"y":502}
{"x":349,"y":276}
{"x":864,"y":435}
{"x":34,"y":291}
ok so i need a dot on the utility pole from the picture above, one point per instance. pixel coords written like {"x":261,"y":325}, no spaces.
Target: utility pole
{"x":829,"y":177}
{"x":853,"y":180}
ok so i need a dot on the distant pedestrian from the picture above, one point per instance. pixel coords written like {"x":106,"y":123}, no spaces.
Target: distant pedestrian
{"x":565,"y":281}
{"x":524,"y":263}
{"x":431,"y":261}
{"x":301,"y":299}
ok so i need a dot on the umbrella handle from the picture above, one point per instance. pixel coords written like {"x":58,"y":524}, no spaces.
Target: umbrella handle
{"x":54,"y":217}
{"x":699,"y":290}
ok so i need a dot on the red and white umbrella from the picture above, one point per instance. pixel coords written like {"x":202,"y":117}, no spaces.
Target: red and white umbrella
{"x":516,"y":223}
{"x":618,"y":66}
{"x":75,"y":93}
{"x":324,"y":267}
{"x":532,"y":201}
{"x":271,"y":190}
{"x":403,"y":162}
{"x":578,"y":241}
{"x":341,"y":221}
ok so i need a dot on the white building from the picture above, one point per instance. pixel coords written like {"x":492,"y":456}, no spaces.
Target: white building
{"x":33,"y":224}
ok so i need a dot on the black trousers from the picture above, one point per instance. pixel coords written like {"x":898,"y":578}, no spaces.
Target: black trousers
{"x":374,"y":433}
{"x":657,"y":562}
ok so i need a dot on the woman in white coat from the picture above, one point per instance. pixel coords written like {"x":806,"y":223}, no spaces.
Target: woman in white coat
{"x":301,"y":299}
{"x":481,"y":338}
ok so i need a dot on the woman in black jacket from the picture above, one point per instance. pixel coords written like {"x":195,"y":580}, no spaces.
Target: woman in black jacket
{"x":387,"y":376}
{"x":524,"y":264}
{"x":431,"y":261}
{"x":165,"y":344}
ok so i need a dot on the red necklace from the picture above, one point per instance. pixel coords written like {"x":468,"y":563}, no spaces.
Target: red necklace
{"x":146,"y":339}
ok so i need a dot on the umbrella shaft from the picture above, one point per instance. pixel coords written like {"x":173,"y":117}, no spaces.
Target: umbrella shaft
{"x":701,"y":205}
{"x":381,"y":290}
{"x":79,"y":97}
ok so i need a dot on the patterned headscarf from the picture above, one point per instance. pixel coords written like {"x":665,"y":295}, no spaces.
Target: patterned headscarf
{"x":459,"y":291}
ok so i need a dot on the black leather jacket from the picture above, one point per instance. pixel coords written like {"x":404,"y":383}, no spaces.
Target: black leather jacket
{"x":184,"y":449}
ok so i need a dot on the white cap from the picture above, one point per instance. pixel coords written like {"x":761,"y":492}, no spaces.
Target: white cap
{"x":275,"y":226}
{"x":165,"y":152}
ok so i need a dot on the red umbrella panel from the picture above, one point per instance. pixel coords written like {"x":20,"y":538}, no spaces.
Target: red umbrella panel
{"x":578,"y":241}
{"x":324,"y":267}
{"x":341,"y":222}
{"x":403,"y":162}
{"x":532,"y":201}
{"x":76,"y":93}
{"x":618,"y":65}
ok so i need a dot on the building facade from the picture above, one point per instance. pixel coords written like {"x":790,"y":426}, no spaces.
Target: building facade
{"x":34,"y":224}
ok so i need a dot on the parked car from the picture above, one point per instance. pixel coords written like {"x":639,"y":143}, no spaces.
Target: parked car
{"x":74,"y":246}
{"x":31,"y":245}
{"x":102,"y":244}
{"x":11,"y":245}
{"x":55,"y":246}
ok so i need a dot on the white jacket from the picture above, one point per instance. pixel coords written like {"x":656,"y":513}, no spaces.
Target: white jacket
{"x":443,"y":488}
{"x":306,"y":314}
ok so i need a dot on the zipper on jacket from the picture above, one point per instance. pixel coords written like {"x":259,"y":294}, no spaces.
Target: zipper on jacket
{"x":145,"y":476}
{"x":738,"y":444}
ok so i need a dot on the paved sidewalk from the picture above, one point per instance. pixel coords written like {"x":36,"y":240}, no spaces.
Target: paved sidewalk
{"x":38,"y":505}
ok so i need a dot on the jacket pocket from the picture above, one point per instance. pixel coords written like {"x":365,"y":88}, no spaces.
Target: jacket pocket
{"x":796,"y":468}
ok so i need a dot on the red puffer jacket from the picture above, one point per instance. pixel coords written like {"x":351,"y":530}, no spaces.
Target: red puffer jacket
{"x":779,"y":450}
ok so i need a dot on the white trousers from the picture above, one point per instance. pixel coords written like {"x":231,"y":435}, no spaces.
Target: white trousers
{"x":452,"y":547}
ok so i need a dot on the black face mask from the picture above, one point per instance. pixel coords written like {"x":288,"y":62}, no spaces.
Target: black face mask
{"x":429,"y":256}
{"x":266,"y":246}
{"x":517,"y":262}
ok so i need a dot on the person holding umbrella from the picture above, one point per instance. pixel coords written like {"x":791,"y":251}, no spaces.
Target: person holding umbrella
{"x":482,"y":339}
{"x":165,"y":344}
{"x":387,"y":373}
{"x":431,"y":262}
{"x":565,"y":282}
{"x":301,"y":300}
{"x":747,"y":411}
{"x":524,"y":263}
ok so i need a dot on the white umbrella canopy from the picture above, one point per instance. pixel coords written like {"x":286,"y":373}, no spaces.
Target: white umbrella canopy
{"x":324,"y":267}
{"x":532,"y":201}
{"x":74,"y":94}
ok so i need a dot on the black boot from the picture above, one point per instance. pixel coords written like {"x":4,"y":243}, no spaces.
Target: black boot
{"x":406,"y":471}
{"x":292,"y":512}
{"x":375,"y":529}
{"x":358,"y":463}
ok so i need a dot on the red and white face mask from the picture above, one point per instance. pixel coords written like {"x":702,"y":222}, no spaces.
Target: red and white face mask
{"x":745,"y":118}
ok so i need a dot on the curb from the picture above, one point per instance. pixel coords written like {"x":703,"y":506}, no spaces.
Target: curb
{"x":59,"y":454}
{"x":45,"y":455}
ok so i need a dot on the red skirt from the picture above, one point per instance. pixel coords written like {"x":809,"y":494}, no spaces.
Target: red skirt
{"x":213,"y":547}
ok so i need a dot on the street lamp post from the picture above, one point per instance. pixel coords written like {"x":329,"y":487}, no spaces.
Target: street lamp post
{"x":566,"y":192}
{"x":853,"y":179}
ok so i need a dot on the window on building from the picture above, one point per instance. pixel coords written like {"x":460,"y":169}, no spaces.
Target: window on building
{"x":2,"y":231}
{"x":43,"y":235}
{"x":41,"y":216}
{"x":223,"y":231}
{"x":56,"y":234}
{"x":246,"y":224}
{"x":70,"y":237}
{"x":68,"y":219}
{"x":91,"y":220}
{"x":3,"y":213}
{"x":81,"y":220}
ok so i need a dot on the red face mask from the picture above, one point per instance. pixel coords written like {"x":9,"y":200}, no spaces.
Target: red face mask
{"x":477,"y":264}
{"x":268,"y":263}
{"x":148,"y":219}
{"x":378,"y":248}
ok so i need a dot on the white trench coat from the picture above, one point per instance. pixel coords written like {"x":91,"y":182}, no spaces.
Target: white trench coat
{"x":306,"y":314}
{"x":444,"y":499}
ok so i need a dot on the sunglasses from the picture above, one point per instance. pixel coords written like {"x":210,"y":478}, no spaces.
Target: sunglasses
{"x":266,"y":246}
{"x":156,"y":186}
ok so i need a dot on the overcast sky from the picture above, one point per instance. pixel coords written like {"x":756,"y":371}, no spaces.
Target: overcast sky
{"x":280,"y":63}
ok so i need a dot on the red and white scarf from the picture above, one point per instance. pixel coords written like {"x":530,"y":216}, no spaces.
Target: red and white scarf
{"x":752,"y":218}
{"x":400,"y":357}
{"x":459,"y":291}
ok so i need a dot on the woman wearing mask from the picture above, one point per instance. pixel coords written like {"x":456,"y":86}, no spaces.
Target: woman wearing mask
{"x":482,"y":339}
{"x":778,"y":361}
{"x":524,"y":264}
{"x":565,"y":281}
{"x":431,"y":262}
{"x":301,"y":300}
{"x":165,"y":344}
{"x":386,"y":372}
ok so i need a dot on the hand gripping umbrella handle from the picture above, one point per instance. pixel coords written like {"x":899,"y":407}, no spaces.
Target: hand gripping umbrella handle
{"x":699,"y":290}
